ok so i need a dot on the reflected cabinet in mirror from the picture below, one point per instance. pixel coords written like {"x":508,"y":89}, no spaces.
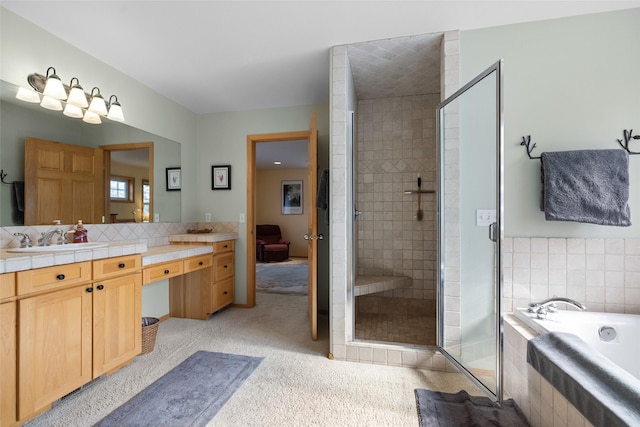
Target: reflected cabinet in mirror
{"x":126,"y":165}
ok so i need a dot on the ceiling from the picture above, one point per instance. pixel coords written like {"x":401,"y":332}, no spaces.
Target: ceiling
{"x":219,"y":56}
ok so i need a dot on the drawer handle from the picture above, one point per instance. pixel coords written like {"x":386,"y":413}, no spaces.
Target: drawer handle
{"x":200,"y":263}
{"x":225,"y":266}
{"x":225,"y":292}
{"x":89,"y":290}
{"x":60,"y":277}
{"x":121,"y":265}
{"x":226,"y":246}
{"x":100,"y":287}
{"x":166,"y":272}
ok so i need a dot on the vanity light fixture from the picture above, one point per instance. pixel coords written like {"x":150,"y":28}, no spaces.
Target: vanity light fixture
{"x":97,"y":105}
{"x":72,"y":100}
{"x":115,"y":110}
{"x":77,"y":97}
{"x":54,"y":87}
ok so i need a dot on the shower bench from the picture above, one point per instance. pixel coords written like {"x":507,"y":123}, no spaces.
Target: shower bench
{"x":371,"y":284}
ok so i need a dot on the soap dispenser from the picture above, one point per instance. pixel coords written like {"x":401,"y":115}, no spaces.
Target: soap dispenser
{"x":80,"y":233}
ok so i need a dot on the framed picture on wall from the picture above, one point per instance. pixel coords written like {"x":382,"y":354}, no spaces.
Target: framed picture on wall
{"x":174,"y":179}
{"x":291,"y":197}
{"x":221,"y":177}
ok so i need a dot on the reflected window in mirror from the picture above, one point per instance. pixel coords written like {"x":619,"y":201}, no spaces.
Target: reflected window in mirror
{"x":121,"y":189}
{"x":146,"y":200}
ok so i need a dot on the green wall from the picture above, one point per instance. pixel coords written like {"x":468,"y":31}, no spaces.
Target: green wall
{"x":570,"y":83}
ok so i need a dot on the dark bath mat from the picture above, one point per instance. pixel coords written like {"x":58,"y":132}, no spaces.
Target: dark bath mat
{"x":437,"y":409}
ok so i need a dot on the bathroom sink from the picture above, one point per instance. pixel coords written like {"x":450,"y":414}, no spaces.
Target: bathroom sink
{"x":59,"y":248}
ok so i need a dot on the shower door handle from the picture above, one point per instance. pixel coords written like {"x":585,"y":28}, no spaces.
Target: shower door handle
{"x":356,"y":213}
{"x":493,"y":234}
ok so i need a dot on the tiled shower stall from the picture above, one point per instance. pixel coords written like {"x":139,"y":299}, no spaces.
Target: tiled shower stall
{"x":395,"y":145}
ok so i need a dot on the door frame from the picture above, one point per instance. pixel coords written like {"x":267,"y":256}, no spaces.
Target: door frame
{"x":252,"y":141}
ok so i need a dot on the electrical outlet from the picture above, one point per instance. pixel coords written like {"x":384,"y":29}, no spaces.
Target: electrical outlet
{"x":485,"y":217}
{"x":156,"y":217}
{"x":207,"y":217}
{"x":241,"y":218}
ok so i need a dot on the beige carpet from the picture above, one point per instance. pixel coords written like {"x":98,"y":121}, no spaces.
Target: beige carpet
{"x":295,"y":385}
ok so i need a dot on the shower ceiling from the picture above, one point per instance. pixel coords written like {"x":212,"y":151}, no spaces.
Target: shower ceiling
{"x":396,"y":67}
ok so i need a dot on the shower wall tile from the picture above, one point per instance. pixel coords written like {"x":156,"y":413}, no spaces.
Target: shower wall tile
{"x":602,"y":273}
{"x":396,"y":142}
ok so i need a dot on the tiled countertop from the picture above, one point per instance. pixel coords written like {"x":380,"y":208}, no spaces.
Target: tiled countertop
{"x":166,"y":253}
{"x":19,"y":261}
{"x":203,"y":238}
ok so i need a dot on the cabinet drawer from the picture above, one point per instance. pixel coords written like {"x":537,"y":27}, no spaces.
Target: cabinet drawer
{"x":162,"y":271}
{"x":113,"y":267}
{"x":224,"y":246}
{"x":7,"y":285}
{"x":223,"y":293}
{"x":223,"y":266}
{"x":197,"y":263}
{"x":43,"y":279}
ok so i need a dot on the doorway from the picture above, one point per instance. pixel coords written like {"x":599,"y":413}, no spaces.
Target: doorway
{"x":308,"y":204}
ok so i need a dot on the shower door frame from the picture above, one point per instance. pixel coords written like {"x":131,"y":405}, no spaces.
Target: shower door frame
{"x":497,"y":237}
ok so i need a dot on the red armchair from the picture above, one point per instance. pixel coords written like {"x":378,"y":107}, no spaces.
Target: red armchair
{"x":269,"y":244}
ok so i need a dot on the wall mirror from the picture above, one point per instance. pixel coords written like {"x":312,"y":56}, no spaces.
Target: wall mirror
{"x":19,"y":120}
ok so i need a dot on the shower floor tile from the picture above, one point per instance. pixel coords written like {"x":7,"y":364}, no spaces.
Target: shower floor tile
{"x":396,"y":328}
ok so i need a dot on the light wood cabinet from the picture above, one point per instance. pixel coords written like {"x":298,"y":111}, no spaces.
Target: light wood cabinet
{"x":75,"y":328}
{"x":8,"y":416}
{"x":201,"y":292}
{"x":117,"y":308}
{"x":165,"y":270}
{"x":54,"y":346}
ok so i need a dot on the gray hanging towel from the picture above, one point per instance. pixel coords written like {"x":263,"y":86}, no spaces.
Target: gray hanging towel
{"x":18,"y":192}
{"x":590,"y":186}
{"x":322,"y":199}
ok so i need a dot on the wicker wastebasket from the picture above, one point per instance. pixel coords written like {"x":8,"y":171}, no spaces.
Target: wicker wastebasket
{"x":149,"y":332}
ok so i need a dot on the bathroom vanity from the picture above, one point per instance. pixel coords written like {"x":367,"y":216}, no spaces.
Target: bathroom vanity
{"x":69,"y":317}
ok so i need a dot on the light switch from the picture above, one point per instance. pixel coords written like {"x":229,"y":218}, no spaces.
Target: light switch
{"x":241,"y":218}
{"x":485,"y":217}
{"x":207,"y":217}
{"x":156,"y":217}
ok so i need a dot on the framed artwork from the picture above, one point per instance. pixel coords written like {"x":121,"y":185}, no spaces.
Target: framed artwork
{"x":221,"y":177}
{"x":291,"y":197}
{"x":174,"y":179}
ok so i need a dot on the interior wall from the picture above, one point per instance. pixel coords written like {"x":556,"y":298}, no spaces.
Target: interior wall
{"x":222,"y":139}
{"x":269,"y":206}
{"x":396,"y":142}
{"x":571,"y":84}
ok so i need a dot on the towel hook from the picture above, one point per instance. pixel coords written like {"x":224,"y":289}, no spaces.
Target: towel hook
{"x":3,"y":175}
{"x":526,"y":141}
{"x":628,"y":136}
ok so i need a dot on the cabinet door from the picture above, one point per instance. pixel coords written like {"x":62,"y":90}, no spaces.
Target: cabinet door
{"x":117,"y":327}
{"x":54,"y":347}
{"x":8,"y":365}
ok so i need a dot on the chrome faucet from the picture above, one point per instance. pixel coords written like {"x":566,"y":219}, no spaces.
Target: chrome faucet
{"x":45,"y":238}
{"x":25,"y":241}
{"x":547,"y":306}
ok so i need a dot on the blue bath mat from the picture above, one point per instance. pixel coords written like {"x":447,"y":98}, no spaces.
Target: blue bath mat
{"x":191,"y":394}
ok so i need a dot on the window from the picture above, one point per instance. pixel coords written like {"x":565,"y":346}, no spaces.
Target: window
{"x":146,"y":200}
{"x":121,"y":189}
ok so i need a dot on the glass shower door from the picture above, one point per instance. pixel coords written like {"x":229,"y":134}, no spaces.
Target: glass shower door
{"x":470,"y":141}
